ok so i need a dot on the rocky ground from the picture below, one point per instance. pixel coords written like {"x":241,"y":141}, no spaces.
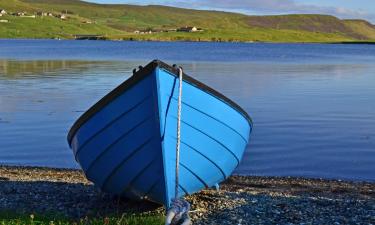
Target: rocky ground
{"x":241,"y":200}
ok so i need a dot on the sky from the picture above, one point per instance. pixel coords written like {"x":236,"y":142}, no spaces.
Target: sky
{"x":353,"y":9}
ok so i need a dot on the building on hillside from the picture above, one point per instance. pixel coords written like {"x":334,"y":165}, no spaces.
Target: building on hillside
{"x":4,"y":21}
{"x":19,"y":14}
{"x":3,"y":12}
{"x":41,"y":14}
{"x":189,"y":29}
{"x":62,"y":16}
{"x":147,"y":31}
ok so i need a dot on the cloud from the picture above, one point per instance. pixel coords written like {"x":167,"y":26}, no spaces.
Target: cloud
{"x":272,"y":7}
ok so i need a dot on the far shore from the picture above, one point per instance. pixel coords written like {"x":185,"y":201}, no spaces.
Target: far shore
{"x":241,"y":199}
{"x":192,"y":40}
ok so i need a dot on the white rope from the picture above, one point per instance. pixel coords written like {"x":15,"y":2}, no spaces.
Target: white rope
{"x":178,"y":213}
{"x":178,"y":131}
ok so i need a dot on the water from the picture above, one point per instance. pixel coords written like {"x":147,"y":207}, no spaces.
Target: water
{"x":312,"y":104}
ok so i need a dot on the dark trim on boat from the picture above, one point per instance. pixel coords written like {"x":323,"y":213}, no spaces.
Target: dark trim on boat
{"x":139,"y":75}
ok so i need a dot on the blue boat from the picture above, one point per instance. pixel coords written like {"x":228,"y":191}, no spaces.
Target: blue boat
{"x":126,"y":142}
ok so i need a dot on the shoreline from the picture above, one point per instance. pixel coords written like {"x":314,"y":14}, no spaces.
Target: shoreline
{"x":241,"y":199}
{"x":204,"y":41}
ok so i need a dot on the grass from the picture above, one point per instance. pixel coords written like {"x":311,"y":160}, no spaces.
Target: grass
{"x":251,"y":35}
{"x":363,"y":27}
{"x":120,"y":21}
{"x":8,"y":218}
{"x":49,"y":27}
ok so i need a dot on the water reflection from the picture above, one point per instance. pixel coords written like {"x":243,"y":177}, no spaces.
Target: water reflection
{"x":15,"y":69}
{"x":310,"y":119}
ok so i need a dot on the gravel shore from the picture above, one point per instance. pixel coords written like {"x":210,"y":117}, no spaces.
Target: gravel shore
{"x":241,"y":200}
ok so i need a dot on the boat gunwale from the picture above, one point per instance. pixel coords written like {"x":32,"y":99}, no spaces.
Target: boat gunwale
{"x":140,"y":75}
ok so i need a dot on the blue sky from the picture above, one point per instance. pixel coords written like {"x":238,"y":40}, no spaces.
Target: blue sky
{"x":357,"y":9}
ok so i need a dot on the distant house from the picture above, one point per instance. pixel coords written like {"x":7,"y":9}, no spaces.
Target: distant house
{"x":3,"y":12}
{"x":87,"y":22}
{"x":144,"y":32}
{"x":62,"y":16}
{"x":18,"y":13}
{"x":4,"y":21}
{"x":188,"y":29}
{"x":44,"y":14}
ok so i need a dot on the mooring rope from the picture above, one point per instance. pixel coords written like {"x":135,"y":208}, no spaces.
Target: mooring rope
{"x":180,"y":73}
{"x":178,"y":213}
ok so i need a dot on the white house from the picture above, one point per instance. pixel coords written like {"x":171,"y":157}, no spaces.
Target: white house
{"x":62,"y":16}
{"x":187,"y":29}
{"x":19,"y":14}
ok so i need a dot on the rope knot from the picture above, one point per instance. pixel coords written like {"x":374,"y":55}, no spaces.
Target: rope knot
{"x":178,"y":213}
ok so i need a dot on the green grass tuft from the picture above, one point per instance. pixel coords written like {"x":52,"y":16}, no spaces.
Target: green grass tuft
{"x":7,"y":218}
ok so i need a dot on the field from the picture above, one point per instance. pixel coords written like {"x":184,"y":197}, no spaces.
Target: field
{"x":132,"y":22}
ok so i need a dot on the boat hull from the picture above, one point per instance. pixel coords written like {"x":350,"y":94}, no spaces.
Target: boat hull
{"x":126,"y":143}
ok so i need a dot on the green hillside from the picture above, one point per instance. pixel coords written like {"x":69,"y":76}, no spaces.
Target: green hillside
{"x":362,"y":27}
{"x":122,"y":21}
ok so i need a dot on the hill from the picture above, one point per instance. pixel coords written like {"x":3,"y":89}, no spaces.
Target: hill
{"x":362,"y":27}
{"x":155,"y":22}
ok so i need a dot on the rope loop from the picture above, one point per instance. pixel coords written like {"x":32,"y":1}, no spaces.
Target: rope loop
{"x":178,"y":213}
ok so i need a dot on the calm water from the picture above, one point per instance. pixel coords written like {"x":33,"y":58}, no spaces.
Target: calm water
{"x":313,"y":105}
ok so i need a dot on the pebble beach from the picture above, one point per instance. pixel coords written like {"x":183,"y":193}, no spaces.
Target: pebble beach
{"x":240,"y":200}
